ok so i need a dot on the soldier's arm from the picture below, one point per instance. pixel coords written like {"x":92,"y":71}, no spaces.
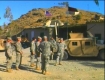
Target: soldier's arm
{"x":7,"y":49}
{"x":65,"y":46}
{"x":32,"y":47}
{"x":18,"y":48}
{"x":57,"y":47}
{"x":21,"y":49}
{"x":40,"y":48}
{"x":37,"y":47}
{"x":55,"y":44}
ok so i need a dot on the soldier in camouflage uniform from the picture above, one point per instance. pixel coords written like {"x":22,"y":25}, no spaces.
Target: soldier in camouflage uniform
{"x":38,"y":54}
{"x":18,"y":53}
{"x":45,"y":50}
{"x":8,"y":54}
{"x":54,"y":47}
{"x":60,"y":52}
{"x":32,"y":50}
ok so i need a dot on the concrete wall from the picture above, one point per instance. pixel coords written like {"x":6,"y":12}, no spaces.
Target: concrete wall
{"x":35,"y":31}
{"x":50,"y":31}
{"x":97,"y":28}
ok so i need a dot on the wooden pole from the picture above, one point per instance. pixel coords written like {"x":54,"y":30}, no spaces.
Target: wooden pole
{"x":56,"y":30}
{"x":67,"y":26}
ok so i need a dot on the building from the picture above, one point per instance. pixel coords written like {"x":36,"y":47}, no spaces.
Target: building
{"x":97,"y":29}
{"x":49,"y":30}
{"x":72,"y":11}
{"x":29,"y":33}
{"x":53,"y":28}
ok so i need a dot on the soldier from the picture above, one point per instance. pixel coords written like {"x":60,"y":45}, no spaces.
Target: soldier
{"x":60,"y":52}
{"x":54,"y":47}
{"x":32,"y":50}
{"x":8,"y":54}
{"x":38,"y":54}
{"x":19,"y":53}
{"x":45,"y":49}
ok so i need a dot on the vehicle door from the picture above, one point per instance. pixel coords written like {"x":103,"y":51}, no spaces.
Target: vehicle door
{"x":75,"y":48}
{"x":89,"y":47}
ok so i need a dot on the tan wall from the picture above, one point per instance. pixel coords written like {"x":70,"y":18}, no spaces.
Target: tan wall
{"x":97,"y":29}
{"x":36,"y":32}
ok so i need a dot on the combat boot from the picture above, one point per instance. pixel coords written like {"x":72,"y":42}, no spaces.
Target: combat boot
{"x":56,"y":64}
{"x":60,"y":63}
{"x":9,"y":70}
{"x":37,"y":68}
{"x":46,"y":73}
{"x":43,"y":71}
{"x":32,"y":65}
{"x":17,"y":68}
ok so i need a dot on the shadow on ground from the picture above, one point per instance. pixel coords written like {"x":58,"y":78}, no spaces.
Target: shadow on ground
{"x":22,"y":67}
{"x":89,"y":61}
{"x":28,"y":68}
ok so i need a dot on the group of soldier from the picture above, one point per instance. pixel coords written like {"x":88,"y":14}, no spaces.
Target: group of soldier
{"x":9,"y":53}
{"x":40,"y":48}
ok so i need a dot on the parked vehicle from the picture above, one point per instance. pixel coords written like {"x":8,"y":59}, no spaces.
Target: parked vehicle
{"x":2,"y":44}
{"x":78,"y":46}
{"x":25,"y":44}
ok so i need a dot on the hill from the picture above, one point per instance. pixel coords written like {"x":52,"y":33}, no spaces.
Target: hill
{"x":36,"y":17}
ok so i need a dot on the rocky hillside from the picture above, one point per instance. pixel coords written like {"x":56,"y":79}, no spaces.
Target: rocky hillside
{"x":36,"y":17}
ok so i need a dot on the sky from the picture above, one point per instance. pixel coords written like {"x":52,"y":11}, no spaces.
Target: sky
{"x":20,"y":7}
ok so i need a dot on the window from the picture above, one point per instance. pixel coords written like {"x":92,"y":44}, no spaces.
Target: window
{"x":98,"y":36}
{"x":26,"y":35}
{"x":87,"y":43}
{"x":41,"y":34}
{"x":74,"y":43}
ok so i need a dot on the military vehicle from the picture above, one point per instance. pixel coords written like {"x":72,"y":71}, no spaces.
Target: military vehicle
{"x":78,"y":46}
{"x":25,"y":43}
{"x":2,"y":43}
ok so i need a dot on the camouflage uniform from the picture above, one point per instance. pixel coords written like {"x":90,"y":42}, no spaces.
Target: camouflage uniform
{"x":53,"y":48}
{"x":45,"y":49}
{"x":38,"y":55}
{"x":18,"y":54}
{"x":60,"y":52}
{"x":8,"y":54}
{"x":32,"y":50}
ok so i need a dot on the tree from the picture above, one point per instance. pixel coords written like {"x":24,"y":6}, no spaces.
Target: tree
{"x":67,"y":4}
{"x":4,"y":25}
{"x":64,"y":3}
{"x":8,"y":14}
{"x":0,"y":28}
{"x":78,"y":17}
{"x":96,"y":2}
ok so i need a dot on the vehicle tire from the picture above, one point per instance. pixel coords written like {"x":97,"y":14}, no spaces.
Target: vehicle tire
{"x":65,"y":57}
{"x":101,"y":54}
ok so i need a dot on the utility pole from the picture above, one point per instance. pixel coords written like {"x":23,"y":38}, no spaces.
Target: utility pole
{"x":67,"y":5}
{"x":56,"y":30}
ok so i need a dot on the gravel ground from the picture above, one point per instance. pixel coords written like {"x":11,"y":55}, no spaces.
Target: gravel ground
{"x":81,"y":69}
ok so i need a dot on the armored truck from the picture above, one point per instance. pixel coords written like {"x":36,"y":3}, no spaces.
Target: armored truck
{"x":2,"y":43}
{"x":79,"y":46}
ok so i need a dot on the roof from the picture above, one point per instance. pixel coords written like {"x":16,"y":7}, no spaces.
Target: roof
{"x":51,"y":23}
{"x":95,"y":21}
{"x":76,"y":39}
{"x":72,"y":9}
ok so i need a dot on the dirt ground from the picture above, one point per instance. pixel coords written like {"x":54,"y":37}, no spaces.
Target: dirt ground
{"x":81,"y":69}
